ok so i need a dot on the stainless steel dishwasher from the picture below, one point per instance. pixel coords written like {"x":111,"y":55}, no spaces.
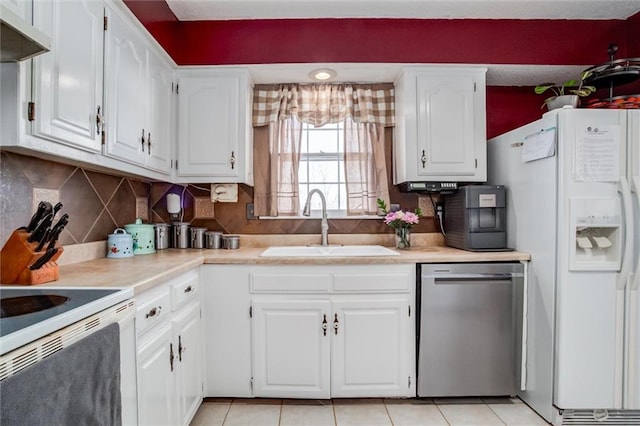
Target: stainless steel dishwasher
{"x":469,"y":329}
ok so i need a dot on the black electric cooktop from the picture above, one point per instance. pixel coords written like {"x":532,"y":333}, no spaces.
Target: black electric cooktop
{"x":29,"y":313}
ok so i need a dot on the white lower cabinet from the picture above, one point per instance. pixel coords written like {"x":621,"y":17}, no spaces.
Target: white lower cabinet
{"x":291,"y":349}
{"x":156,"y":389}
{"x":309,"y":331}
{"x":369,"y":347}
{"x":187,"y":331}
{"x":227,"y":333}
{"x":333,"y":331}
{"x":169,"y":352}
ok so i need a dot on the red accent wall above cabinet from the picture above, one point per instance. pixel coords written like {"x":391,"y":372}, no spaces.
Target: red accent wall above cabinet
{"x":481,"y":41}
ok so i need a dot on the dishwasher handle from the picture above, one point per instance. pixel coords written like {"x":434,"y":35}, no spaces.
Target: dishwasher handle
{"x":474,"y":276}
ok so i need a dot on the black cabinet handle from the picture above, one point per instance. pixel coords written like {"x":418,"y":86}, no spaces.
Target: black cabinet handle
{"x":325,"y":326}
{"x":171,"y":356}
{"x":153,"y":312}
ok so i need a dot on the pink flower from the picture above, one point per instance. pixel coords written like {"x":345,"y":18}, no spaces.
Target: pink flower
{"x":410,"y":218}
{"x":400,"y":219}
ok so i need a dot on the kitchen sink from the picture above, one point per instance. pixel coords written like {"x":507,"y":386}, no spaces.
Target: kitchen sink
{"x":327,"y":251}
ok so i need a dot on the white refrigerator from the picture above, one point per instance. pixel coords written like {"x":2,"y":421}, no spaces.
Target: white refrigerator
{"x":572,"y":182}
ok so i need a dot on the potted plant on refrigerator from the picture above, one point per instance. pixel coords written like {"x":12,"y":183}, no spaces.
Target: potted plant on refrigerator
{"x":567,"y":93}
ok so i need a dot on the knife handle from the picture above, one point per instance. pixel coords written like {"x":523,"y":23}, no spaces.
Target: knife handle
{"x":43,"y":241}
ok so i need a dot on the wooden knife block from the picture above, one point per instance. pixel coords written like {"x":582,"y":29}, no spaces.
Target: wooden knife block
{"x":18,"y":255}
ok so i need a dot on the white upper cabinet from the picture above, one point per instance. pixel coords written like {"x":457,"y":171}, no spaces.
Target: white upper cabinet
{"x":160,"y":118}
{"x":68,"y":80}
{"x":214,"y":126}
{"x":440,"y":132}
{"x":104,"y":88}
{"x":21,"y":8}
{"x":138,"y":101}
{"x":126,"y":61}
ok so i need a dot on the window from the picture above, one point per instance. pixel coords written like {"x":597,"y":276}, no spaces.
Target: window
{"x":322,"y":166}
{"x":291,"y":157}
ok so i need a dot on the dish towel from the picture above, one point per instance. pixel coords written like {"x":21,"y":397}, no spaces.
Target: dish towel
{"x":78,"y":385}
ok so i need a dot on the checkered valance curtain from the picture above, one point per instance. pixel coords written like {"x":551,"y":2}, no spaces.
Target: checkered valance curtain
{"x":319,"y":104}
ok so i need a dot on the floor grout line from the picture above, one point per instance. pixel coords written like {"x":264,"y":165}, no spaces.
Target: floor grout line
{"x":281,"y":404}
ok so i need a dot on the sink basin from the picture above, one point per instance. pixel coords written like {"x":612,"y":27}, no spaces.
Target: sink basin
{"x":330,"y":251}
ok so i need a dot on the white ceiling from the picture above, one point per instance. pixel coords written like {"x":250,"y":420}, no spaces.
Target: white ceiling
{"x":194,"y":10}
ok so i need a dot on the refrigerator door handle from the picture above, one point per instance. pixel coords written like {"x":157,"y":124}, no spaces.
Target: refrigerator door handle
{"x":625,"y":269}
{"x":525,"y":328}
{"x":635,"y":283}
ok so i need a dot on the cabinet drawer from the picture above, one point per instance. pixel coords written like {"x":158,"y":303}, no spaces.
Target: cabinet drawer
{"x":188,"y":288}
{"x":399,"y":281}
{"x":292,"y":282}
{"x":152,"y":309}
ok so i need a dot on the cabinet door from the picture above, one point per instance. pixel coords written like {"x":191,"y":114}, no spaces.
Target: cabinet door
{"x":187,"y":336}
{"x":369,"y":348}
{"x":22,"y":8}
{"x":68,"y":80}
{"x":227,"y":349}
{"x":446,"y":130}
{"x":160,"y":116}
{"x":209,"y":126}
{"x":125,"y":82}
{"x":156,"y":379}
{"x":291,"y":349}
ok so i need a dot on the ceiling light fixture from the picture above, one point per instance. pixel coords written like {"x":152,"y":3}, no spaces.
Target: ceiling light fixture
{"x":323,"y":74}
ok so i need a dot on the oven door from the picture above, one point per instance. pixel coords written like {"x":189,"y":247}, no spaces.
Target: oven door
{"x":27,"y":358}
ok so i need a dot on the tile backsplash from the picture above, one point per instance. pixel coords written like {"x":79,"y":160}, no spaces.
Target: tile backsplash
{"x":98,"y":203}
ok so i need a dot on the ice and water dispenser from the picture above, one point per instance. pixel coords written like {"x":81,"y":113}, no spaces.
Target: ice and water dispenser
{"x":596,"y":234}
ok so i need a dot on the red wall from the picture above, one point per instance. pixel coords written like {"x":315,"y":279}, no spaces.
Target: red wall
{"x":553,"y":42}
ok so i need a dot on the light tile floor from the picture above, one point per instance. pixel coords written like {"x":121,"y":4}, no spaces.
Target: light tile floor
{"x":366,"y":412}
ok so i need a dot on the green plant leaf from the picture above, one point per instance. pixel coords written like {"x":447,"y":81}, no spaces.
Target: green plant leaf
{"x":541,"y":88}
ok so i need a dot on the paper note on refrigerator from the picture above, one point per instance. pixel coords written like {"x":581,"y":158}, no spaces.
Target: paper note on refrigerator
{"x":539,"y":145}
{"x":597,"y":154}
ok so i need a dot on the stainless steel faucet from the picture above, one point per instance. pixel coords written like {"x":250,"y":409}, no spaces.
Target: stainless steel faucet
{"x":324,"y":225}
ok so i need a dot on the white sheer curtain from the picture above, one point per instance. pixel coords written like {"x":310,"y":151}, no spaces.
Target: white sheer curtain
{"x":365,"y":167}
{"x":284,"y":141}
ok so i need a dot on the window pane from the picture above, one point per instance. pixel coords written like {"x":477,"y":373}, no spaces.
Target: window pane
{"x":323,"y":171}
{"x":331,"y":193}
{"x":323,"y":141}
{"x":322,"y":165}
{"x":341,"y":141}
{"x":343,"y":196}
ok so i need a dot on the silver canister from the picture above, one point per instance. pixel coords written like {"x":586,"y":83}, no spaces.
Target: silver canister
{"x":213,"y":239}
{"x":231,"y":242}
{"x":197,"y":237}
{"x":181,"y":235}
{"x":163,"y":234}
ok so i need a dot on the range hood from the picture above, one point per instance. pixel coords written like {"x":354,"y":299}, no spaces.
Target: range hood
{"x":18,"y":39}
